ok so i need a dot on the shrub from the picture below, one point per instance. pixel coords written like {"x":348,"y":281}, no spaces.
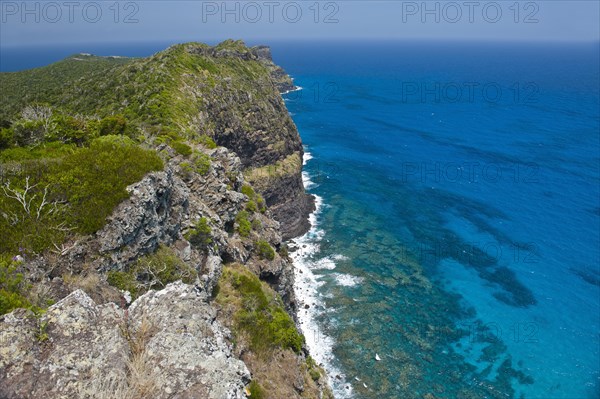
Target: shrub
{"x":94,"y":179}
{"x":256,"y":201}
{"x":186,"y":170}
{"x":124,"y":281}
{"x":248,"y":191}
{"x":181,"y":148}
{"x":258,"y":312}
{"x":201,"y":163}
{"x":12,"y":287}
{"x":243,"y":223}
{"x":313,"y":369}
{"x":200,"y":236}
{"x":68,"y":129}
{"x":112,"y":125}
{"x":207,"y":141}
{"x":7,"y":136}
{"x":29,"y":132}
{"x":261,"y":204}
{"x":283,"y":251}
{"x":256,"y":224}
{"x":251,"y":206}
{"x":264,"y":250}
{"x":256,"y":391}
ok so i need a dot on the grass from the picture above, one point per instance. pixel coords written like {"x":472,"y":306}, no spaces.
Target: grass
{"x":259,"y":317}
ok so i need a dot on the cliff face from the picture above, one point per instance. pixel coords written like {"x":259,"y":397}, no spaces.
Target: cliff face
{"x":256,"y":125}
{"x":186,"y":333}
{"x":167,"y":343}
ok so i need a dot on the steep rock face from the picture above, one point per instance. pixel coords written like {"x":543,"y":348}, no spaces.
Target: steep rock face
{"x":254,"y":123}
{"x":167,"y":345}
{"x":282,"y":80}
{"x":164,"y":206}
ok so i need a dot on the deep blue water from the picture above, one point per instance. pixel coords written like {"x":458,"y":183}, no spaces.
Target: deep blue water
{"x":476,"y":168}
{"x":459,"y":231}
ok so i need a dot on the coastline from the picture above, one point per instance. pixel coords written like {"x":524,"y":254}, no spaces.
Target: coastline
{"x":309,"y":301}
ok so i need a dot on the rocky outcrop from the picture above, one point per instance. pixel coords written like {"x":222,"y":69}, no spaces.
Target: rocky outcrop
{"x":168,"y":344}
{"x":282,"y":80}
{"x":247,"y":115}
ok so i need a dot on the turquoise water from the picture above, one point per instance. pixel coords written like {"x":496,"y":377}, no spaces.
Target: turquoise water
{"x":458,"y":238}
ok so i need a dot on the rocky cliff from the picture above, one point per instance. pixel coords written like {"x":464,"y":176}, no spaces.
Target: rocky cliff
{"x":183,"y":292}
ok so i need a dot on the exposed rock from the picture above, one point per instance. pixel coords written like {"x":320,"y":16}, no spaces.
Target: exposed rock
{"x":154,"y":213}
{"x":282,"y":80}
{"x":82,"y":350}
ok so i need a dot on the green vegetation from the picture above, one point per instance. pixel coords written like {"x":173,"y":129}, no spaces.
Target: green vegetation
{"x":251,"y":206}
{"x":182,"y":148}
{"x":153,"y":271}
{"x":259,"y":317}
{"x":313,"y":369}
{"x":243,"y":224}
{"x":55,"y":190}
{"x":206,"y":141}
{"x":201,"y":163}
{"x":292,"y":164}
{"x":167,"y":89}
{"x":256,"y":202}
{"x":12,"y":287}
{"x":200,"y":236}
{"x":264,"y":250}
{"x":256,"y":391}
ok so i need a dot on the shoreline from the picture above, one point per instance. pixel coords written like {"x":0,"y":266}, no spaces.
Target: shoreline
{"x":310,"y":304}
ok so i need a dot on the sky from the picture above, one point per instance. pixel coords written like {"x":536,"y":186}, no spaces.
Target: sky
{"x":30,"y":23}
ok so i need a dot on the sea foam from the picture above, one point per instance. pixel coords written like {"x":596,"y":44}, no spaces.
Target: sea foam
{"x":306,"y":288}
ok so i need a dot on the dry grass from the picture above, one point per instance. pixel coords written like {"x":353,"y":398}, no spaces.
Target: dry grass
{"x":283,"y":168}
{"x":138,"y":381}
{"x":93,"y":284}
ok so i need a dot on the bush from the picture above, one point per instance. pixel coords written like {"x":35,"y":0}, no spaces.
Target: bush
{"x":12,"y":287}
{"x":80,"y":186}
{"x":261,"y":204}
{"x":124,"y":281}
{"x":264,"y":250}
{"x":207,"y":141}
{"x":243,"y":223}
{"x":200,"y":236}
{"x":256,"y":201}
{"x":68,"y":129}
{"x":201,"y":163}
{"x":248,"y":191}
{"x":94,"y":179}
{"x":181,"y":148}
{"x":7,"y":138}
{"x":256,"y":224}
{"x":251,"y":206}
{"x":256,"y":391}
{"x":258,"y":312}
{"x":112,"y":125}
{"x":29,"y":132}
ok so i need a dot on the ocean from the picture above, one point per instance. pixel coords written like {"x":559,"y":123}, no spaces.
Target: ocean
{"x":457,"y":232}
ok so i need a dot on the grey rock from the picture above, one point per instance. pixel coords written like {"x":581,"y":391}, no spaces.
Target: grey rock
{"x":168,"y":340}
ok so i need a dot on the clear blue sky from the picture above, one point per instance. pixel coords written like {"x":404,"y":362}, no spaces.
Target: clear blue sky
{"x":63,"y":21}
